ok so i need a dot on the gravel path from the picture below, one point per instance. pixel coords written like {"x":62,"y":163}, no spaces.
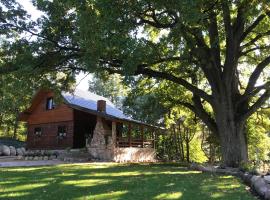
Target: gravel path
{"x":30,"y":163}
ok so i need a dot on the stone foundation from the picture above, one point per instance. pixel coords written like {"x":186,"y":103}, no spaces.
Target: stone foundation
{"x":101,"y":154}
{"x":102,"y":146}
{"x":132,"y":154}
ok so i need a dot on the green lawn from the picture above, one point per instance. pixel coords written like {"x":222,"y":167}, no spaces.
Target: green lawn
{"x":116,"y":181}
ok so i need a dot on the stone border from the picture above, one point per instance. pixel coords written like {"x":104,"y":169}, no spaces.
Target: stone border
{"x":260,"y":184}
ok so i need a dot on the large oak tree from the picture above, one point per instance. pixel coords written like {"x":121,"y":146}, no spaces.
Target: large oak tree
{"x":218,"y":51}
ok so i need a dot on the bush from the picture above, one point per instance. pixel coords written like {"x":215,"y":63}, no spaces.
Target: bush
{"x":11,"y":142}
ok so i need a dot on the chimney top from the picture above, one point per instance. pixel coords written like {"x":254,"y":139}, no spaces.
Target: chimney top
{"x":101,"y":106}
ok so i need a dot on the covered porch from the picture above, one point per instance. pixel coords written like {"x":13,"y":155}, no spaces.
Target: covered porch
{"x":123,"y":141}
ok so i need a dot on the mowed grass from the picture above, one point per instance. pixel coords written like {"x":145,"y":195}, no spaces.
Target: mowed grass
{"x":108,"y":181}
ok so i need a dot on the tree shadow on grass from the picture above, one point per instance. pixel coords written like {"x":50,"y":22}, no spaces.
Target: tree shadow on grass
{"x":119,"y":182}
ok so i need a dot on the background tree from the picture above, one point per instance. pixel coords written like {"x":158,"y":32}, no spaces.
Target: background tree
{"x":111,"y":87}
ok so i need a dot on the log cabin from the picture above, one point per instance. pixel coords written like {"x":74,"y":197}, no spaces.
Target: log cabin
{"x":86,"y":120}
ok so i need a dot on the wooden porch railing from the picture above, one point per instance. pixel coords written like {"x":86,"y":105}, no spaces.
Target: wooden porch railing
{"x":128,"y":142}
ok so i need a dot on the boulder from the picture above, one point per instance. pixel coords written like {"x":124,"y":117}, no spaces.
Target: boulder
{"x":23,"y":150}
{"x":19,"y":157}
{"x":12,"y":151}
{"x":246,"y":177}
{"x":1,"y":150}
{"x":254,"y":179}
{"x":260,"y":186}
{"x":267,"y":195}
{"x":267,"y":179}
{"x":36,"y":158}
{"x":52,"y":157}
{"x":5,"y":150}
{"x":19,"y":152}
{"x":193,"y":166}
{"x":30,"y":158}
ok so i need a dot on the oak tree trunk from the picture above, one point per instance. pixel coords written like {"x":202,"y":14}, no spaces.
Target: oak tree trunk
{"x":232,"y":138}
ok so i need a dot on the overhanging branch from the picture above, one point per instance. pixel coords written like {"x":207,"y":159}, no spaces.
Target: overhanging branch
{"x":156,"y":74}
{"x":256,"y":74}
{"x":259,"y":103}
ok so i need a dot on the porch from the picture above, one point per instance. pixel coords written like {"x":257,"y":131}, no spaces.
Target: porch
{"x":123,"y":141}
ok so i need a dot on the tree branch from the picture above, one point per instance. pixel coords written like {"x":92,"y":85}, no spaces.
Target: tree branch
{"x":255,"y":91}
{"x":256,"y":74}
{"x":255,"y":39}
{"x":252,"y":26}
{"x":200,"y":112}
{"x":156,"y":74}
{"x":259,"y":103}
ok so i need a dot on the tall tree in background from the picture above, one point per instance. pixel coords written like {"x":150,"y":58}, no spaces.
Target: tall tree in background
{"x":203,"y":46}
{"x":111,"y":87}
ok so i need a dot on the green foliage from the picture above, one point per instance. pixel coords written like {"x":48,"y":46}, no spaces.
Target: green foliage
{"x":111,"y":87}
{"x":11,"y":142}
{"x":258,"y":136}
{"x":196,"y":153}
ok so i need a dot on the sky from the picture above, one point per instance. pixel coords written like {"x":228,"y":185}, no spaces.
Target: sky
{"x":82,"y":79}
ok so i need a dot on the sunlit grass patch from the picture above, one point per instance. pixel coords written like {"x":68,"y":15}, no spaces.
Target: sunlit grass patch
{"x":112,"y":195}
{"x":169,"y":196}
{"x":85,"y":183}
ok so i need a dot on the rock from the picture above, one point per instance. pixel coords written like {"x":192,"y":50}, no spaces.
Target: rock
{"x":254,"y":179}
{"x":260,"y":186}
{"x":19,"y":152}
{"x":36,"y":158}
{"x":30,"y":157}
{"x":193,"y":166}
{"x":267,"y":179}
{"x":19,"y":157}
{"x":42,"y":152}
{"x":29,"y":153}
{"x":1,"y":150}
{"x":209,"y":169}
{"x":52,"y":157}
{"x":45,"y":158}
{"x":23,"y":150}
{"x":267,"y":195}
{"x":5,"y":150}
{"x":247,"y":178}
{"x":12,"y":151}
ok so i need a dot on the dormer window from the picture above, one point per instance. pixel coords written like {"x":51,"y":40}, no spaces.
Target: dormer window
{"x":50,"y":104}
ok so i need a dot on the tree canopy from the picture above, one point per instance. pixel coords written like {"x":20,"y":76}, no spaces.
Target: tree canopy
{"x":216,"y":51}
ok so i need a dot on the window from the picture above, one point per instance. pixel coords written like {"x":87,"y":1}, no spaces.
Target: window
{"x":38,"y":131}
{"x":50,"y":104}
{"x":62,"y":132}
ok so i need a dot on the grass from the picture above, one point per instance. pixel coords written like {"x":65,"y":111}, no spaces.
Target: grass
{"x":117,"y":182}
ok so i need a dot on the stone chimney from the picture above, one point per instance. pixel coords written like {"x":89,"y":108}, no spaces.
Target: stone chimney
{"x":101,"y":106}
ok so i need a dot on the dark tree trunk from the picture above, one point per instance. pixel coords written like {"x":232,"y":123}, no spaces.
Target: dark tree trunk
{"x":232,"y":137}
{"x":15,"y":127}
{"x":187,"y":149}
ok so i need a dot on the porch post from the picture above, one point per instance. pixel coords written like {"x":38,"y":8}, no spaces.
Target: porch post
{"x":129,"y":134}
{"x":114,"y":134}
{"x":142,"y":134}
{"x":154,"y":138}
